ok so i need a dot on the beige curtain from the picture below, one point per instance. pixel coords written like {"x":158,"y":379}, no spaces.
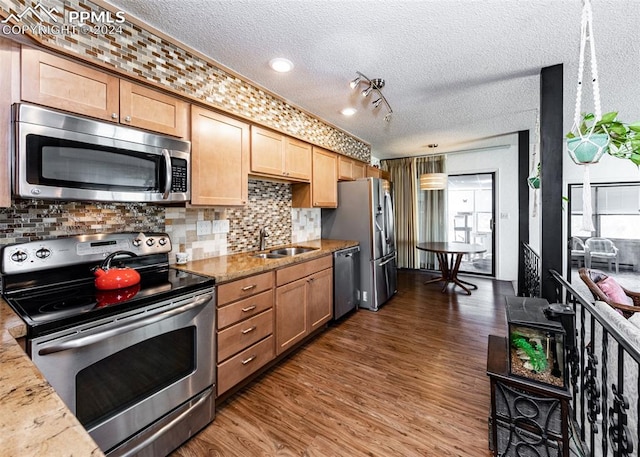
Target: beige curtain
{"x":402,"y":173}
{"x":432,"y":209}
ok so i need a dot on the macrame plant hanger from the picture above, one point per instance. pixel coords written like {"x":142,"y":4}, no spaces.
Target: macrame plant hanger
{"x":534,"y":174}
{"x":586,"y":34}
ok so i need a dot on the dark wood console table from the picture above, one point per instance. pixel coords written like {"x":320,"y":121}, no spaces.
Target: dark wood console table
{"x":449,"y":257}
{"x":527,"y":418}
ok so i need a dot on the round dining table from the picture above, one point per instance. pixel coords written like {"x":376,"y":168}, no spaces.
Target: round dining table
{"x":449,"y":256}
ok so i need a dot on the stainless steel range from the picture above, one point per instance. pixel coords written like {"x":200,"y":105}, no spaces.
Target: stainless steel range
{"x":136,"y":365}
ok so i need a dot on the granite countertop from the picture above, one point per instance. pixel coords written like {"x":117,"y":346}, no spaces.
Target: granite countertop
{"x":229,"y":267}
{"x":34,"y":421}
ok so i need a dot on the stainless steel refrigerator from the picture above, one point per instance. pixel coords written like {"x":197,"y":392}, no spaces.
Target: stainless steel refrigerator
{"x":365,"y":214}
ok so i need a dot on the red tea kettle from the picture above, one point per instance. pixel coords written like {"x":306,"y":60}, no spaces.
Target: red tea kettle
{"x":108,"y":278}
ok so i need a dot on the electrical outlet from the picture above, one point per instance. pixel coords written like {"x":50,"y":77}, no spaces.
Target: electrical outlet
{"x":203,"y":228}
{"x":364,"y":295}
{"x":220,"y":226}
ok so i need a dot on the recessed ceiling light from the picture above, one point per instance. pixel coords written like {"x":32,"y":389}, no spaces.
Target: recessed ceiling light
{"x":348,"y":111}
{"x":281,"y":65}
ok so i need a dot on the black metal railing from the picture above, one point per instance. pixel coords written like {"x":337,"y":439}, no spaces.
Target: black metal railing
{"x":531,"y":272}
{"x":604,"y":363}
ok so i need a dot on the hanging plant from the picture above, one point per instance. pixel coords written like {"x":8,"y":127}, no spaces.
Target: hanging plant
{"x":534,"y":180}
{"x":607,"y":135}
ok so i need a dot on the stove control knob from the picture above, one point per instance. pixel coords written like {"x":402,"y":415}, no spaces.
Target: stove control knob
{"x":43,"y":253}
{"x":150,"y":241}
{"x":137,"y":242}
{"x":162,"y":241}
{"x":19,"y":256}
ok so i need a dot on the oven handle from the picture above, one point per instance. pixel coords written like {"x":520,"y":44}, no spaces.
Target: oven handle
{"x":129,"y":326}
{"x":168,"y":174}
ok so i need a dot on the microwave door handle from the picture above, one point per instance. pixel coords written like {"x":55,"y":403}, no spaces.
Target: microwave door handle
{"x":168,"y":174}
{"x":127,"y":327}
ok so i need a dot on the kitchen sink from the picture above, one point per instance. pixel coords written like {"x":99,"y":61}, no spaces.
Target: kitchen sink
{"x":269,"y":255}
{"x":291,"y":251}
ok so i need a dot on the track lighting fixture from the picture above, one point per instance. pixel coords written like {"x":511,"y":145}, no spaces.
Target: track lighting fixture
{"x":373,"y":85}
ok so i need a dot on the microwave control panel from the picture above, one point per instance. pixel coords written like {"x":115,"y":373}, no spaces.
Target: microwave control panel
{"x":178,"y":175}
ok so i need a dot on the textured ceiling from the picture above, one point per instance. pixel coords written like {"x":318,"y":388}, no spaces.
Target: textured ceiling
{"x":460,"y":73}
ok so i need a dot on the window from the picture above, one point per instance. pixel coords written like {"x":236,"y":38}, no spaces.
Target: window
{"x":615,"y":209}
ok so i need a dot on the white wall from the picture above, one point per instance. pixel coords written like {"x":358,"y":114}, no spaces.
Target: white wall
{"x":504,"y":162}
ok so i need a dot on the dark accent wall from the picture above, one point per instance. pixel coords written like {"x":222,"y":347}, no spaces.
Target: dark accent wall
{"x":523,"y":204}
{"x":551,"y":156}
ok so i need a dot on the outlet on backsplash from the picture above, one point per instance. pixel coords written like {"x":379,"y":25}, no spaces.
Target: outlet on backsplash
{"x":221,"y":226}
{"x":203,"y":228}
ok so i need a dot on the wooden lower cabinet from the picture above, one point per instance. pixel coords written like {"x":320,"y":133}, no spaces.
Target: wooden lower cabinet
{"x":302,"y":302}
{"x":234,"y":370}
{"x":244,"y":322}
{"x":262,"y":316}
{"x":291,"y":314}
{"x":320,"y":309}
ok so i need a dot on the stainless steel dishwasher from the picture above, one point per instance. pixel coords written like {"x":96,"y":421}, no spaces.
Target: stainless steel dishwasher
{"x":346,"y":281}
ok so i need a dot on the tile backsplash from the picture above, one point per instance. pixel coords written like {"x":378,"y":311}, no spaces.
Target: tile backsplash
{"x":201,"y":232}
{"x":137,"y":50}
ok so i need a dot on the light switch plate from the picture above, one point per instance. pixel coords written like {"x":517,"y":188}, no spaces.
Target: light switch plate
{"x":203,"y":228}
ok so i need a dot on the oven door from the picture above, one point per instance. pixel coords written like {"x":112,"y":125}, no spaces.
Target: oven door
{"x":119,"y":376}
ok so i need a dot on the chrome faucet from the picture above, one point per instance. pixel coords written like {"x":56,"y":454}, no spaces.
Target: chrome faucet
{"x":263,"y":235}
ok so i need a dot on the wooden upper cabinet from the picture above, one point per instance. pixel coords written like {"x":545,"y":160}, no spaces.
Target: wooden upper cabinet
{"x":219,"y":159}
{"x":324,"y":185}
{"x":373,"y":172}
{"x":60,"y":83}
{"x":279,"y":156}
{"x":297,"y":159}
{"x":150,"y":109}
{"x":323,"y":190}
{"x":359,"y":169}
{"x":9,"y":78}
{"x":350,"y":169}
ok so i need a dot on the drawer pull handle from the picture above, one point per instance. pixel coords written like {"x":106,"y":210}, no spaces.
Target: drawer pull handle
{"x":245,"y":288}
{"x":248,"y":330}
{"x":248,"y":308}
{"x":250,"y":359}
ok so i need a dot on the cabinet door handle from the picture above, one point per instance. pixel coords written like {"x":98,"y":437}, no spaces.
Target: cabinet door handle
{"x":127,"y":119}
{"x":248,"y":308}
{"x":245,"y":361}
{"x":248,"y":330}
{"x":245,"y":288}
{"x":114,"y":116}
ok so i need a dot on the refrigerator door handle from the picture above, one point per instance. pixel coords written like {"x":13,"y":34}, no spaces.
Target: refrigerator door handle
{"x":388,"y":260}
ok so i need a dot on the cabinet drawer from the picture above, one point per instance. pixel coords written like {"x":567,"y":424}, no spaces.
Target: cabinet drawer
{"x":301,"y":270}
{"x":246,"y":287}
{"x":239,"y":336}
{"x":235,"y":312}
{"x":242,"y":365}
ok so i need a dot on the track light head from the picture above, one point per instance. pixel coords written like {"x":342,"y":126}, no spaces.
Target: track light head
{"x":373,"y":85}
{"x":378,"y":83}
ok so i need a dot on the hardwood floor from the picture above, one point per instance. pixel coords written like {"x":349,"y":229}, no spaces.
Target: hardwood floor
{"x":408,"y":380}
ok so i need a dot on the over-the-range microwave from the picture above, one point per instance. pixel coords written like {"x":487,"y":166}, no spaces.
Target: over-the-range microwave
{"x":66,"y":157}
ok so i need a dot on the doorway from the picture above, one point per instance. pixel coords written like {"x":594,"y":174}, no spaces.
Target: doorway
{"x":471,"y":218}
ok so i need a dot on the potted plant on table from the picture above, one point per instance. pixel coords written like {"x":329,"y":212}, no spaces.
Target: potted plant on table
{"x":607,"y":135}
